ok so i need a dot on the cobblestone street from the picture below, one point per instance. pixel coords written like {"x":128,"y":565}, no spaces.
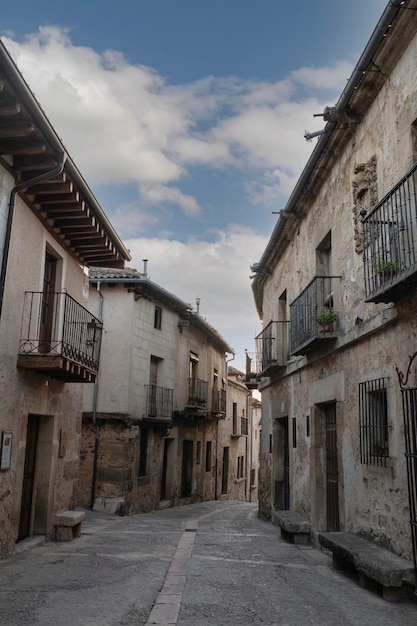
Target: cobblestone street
{"x":197,"y":565}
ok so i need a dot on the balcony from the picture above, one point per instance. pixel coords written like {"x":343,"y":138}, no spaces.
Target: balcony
{"x":159,"y":405}
{"x":218,"y":402}
{"x":313,"y":319}
{"x":59,"y":337}
{"x":197,"y":393}
{"x":253,"y":369}
{"x":272,"y":347}
{"x":390,"y":243}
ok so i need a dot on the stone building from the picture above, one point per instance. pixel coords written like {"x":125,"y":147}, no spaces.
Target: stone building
{"x":335,"y":288}
{"x":154,"y":431}
{"x":242,"y":429}
{"x":51,"y":229}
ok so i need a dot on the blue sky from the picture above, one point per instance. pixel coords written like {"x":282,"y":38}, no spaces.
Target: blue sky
{"x":187,"y":118}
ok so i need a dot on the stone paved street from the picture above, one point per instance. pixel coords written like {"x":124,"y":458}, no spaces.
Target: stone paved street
{"x":197,"y":565}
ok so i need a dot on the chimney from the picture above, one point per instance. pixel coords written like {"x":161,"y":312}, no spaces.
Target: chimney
{"x":197,"y":301}
{"x":145,"y":267}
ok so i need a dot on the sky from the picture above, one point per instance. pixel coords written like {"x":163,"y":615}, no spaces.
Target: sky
{"x":187,"y":120}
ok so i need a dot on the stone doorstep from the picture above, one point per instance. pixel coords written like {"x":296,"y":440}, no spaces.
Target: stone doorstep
{"x":369,"y":559}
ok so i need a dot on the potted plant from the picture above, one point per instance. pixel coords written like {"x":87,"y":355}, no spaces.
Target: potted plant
{"x":326,"y":319}
{"x":386,"y":269}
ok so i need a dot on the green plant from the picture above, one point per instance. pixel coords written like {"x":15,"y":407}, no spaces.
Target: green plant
{"x":326,"y":317}
{"x":385,"y":267}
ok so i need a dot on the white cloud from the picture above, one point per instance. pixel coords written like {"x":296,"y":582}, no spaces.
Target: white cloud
{"x":332,"y":78}
{"x":123,"y":123}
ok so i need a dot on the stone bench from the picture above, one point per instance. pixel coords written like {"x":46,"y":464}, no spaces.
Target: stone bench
{"x":375,"y":566}
{"x":68,"y":525}
{"x":294,"y":527}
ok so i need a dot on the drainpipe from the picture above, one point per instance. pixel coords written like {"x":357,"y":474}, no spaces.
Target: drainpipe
{"x":249,"y":449}
{"x":34,"y":181}
{"x":95,"y":400}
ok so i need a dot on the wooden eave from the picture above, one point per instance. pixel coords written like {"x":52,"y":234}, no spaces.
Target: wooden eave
{"x":29,"y":147}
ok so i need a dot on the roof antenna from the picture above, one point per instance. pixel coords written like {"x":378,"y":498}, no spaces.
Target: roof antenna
{"x":197,"y":301}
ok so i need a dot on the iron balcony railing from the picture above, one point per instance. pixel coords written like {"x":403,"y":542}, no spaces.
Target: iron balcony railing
{"x":159,"y":401}
{"x":272,"y":345}
{"x":390,"y":241}
{"x":218,"y":401}
{"x":253,"y":365}
{"x":54,"y":324}
{"x":313,"y":318}
{"x":197,"y":393}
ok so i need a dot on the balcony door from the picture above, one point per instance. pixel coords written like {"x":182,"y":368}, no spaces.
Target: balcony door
{"x":47,"y":303}
{"x":153,"y":382}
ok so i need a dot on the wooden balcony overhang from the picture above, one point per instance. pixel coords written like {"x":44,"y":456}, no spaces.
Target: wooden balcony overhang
{"x":161,"y":422}
{"x":30,"y":147}
{"x":193,"y":414}
{"x":57,"y":367}
{"x":314,"y":343}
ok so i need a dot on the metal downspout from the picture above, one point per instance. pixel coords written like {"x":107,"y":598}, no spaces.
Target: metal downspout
{"x":95,"y":399}
{"x":34,"y":181}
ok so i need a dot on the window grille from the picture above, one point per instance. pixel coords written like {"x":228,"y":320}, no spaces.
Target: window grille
{"x":373,"y":422}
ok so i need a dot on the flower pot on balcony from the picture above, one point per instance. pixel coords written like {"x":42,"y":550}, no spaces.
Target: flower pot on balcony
{"x":326,"y":321}
{"x":385,"y":271}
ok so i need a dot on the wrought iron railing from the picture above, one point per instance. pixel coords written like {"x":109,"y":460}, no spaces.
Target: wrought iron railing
{"x":218,"y":400}
{"x":253,"y":364}
{"x":159,"y":401}
{"x":312,"y":314}
{"x":390,"y":237}
{"x":54,"y":324}
{"x":373,"y":422}
{"x":272,"y":345}
{"x":197,"y":393}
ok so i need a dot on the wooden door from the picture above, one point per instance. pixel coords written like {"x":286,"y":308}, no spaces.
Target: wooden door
{"x":332,"y":474}
{"x":225,"y":470}
{"x":187,"y":468}
{"x":28,"y":476}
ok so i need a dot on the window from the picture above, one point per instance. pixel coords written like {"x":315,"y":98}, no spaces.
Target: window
{"x":244,"y":430}
{"x":294,"y":432}
{"x":143,"y":452}
{"x":198,"y":453}
{"x":208,"y":456}
{"x":157,"y":322}
{"x":240,"y":467}
{"x":234,"y":417}
{"x":373,"y":422}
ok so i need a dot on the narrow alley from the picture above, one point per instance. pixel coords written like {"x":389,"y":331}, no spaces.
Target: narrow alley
{"x":202,"y":564}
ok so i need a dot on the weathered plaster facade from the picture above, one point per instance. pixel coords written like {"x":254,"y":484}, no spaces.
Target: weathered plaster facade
{"x":314,"y":393}
{"x":137,"y":456}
